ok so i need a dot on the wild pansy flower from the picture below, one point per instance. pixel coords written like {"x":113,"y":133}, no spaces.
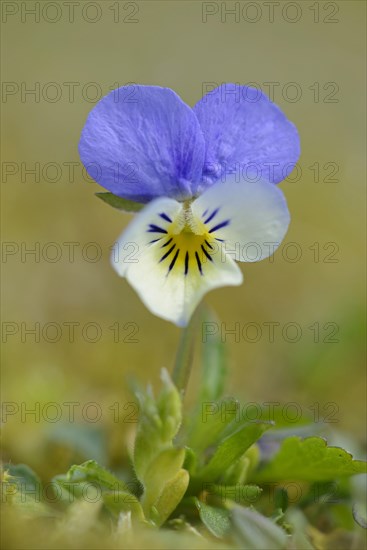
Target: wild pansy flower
{"x":207,"y":174}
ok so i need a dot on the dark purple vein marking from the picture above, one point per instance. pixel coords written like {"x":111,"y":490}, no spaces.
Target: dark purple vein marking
{"x":156,"y":229}
{"x":219,"y":226}
{"x":173,"y":261}
{"x":212,"y":215}
{"x":165,"y":217}
{"x":206,"y":253}
{"x":167,"y":243}
{"x":167,"y":253}
{"x":198,"y":262}
{"x":186,"y":263}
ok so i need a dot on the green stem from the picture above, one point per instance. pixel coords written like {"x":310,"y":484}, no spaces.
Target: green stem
{"x":185,"y":354}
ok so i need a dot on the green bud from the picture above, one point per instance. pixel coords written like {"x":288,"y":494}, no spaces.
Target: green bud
{"x":159,"y":422}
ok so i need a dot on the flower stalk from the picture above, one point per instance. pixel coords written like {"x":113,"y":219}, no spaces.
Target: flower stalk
{"x":185,"y":353}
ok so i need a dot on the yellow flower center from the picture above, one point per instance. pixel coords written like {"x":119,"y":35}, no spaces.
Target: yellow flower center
{"x":185,"y":243}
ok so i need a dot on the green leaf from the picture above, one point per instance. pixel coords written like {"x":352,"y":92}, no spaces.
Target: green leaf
{"x":210,"y":416}
{"x":25,"y":480}
{"x":241,"y":494}
{"x":116,"y":497}
{"x":91,"y":472}
{"x":241,"y":470}
{"x":358,"y":517}
{"x":232,"y":448}
{"x":121,"y":501}
{"x":169,"y":406}
{"x":157,"y":462}
{"x":256,"y":532}
{"x":82,"y":479}
{"x":162,"y":469}
{"x":21,"y":488}
{"x":310,"y":460}
{"x":171,"y":496}
{"x":216,"y":520}
{"x":159,"y":422}
{"x":118,"y":202}
{"x":213,"y":360}
{"x":210,"y":422}
{"x":299,"y":528}
{"x":179,"y":524}
{"x":281,"y":499}
{"x":190,"y":459}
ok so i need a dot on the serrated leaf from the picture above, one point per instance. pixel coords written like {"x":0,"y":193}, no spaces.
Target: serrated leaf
{"x":119,"y":203}
{"x":171,"y":496}
{"x":310,"y":459}
{"x":232,"y":448}
{"x":216,"y":520}
{"x":257,"y":532}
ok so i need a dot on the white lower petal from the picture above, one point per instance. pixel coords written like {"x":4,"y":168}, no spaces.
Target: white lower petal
{"x":170,"y":268}
{"x":250,"y":219}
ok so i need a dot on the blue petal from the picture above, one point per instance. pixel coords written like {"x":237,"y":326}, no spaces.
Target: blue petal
{"x":246,"y":135}
{"x":142,"y":142}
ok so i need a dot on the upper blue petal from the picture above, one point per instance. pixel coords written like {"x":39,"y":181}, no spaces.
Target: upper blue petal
{"x":142,"y":142}
{"x":246,"y":134}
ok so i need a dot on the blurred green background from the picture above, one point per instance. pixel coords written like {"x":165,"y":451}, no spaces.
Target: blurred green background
{"x":167,"y":43}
